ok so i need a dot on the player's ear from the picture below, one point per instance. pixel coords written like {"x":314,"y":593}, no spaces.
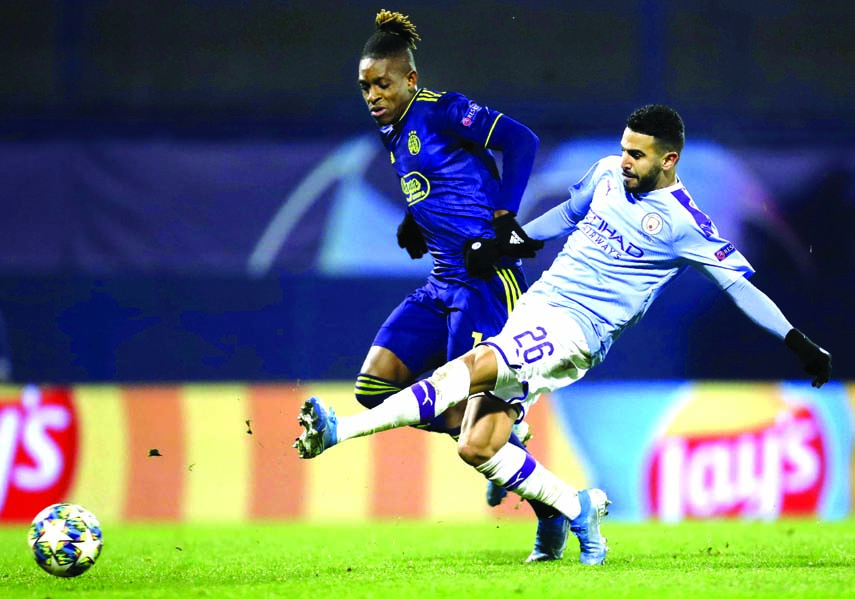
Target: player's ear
{"x":669,"y":160}
{"x":413,"y":79}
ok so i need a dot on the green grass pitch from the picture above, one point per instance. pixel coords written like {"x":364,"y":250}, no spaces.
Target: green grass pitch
{"x":790,"y":558}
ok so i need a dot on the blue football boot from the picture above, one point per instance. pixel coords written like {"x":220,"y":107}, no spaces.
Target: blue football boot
{"x":495,"y":493}
{"x":586,"y":526}
{"x":320,"y":424}
{"x":550,"y":539}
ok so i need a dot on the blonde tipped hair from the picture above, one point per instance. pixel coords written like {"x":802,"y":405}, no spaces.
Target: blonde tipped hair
{"x":395,"y":35}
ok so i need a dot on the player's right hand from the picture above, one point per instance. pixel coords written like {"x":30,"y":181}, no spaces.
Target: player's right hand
{"x":410,"y":237}
{"x":815,"y":360}
{"x":513,"y":241}
{"x":479,"y":256}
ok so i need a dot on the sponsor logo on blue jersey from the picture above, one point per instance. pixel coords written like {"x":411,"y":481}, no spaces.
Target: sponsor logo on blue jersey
{"x":415,"y":186}
{"x":725,"y":252}
{"x":470,"y":114}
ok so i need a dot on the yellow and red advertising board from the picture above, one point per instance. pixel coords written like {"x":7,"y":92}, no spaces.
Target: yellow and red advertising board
{"x":222,"y":452}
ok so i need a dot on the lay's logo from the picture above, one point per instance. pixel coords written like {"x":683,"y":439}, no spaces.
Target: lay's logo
{"x":38,"y":450}
{"x":776,"y":467}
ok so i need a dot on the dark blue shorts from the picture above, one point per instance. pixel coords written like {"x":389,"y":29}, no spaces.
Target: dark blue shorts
{"x":441,"y":320}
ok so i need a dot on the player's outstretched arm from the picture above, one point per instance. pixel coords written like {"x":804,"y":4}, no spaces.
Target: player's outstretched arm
{"x":558,"y":221}
{"x":763,"y":311}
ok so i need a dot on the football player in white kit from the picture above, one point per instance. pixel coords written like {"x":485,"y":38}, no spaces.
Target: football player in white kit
{"x":631,"y":228}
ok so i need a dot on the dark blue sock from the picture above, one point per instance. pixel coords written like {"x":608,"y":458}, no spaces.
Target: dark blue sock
{"x":371,"y":391}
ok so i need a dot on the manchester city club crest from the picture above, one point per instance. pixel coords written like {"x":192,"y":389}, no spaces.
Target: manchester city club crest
{"x":651,"y":223}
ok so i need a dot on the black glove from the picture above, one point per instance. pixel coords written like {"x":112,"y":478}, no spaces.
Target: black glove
{"x":513,"y":240}
{"x":815,"y":360}
{"x":479,"y":256}
{"x":410,"y":237}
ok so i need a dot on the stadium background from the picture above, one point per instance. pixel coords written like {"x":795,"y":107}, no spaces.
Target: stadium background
{"x":198,"y":231}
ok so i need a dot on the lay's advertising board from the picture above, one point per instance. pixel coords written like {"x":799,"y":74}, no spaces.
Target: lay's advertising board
{"x":222,"y":452}
{"x":673,"y":451}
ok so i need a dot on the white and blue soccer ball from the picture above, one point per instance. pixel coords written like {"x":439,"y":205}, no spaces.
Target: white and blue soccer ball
{"x":65,"y":539}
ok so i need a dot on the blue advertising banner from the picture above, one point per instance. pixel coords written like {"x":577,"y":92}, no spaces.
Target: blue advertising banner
{"x":256,"y":207}
{"x":157,"y":258}
{"x":691,"y":450}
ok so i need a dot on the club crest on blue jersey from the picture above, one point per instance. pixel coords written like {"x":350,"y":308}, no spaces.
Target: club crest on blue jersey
{"x":415,"y":186}
{"x":725,"y":251}
{"x":470,"y":114}
{"x":414,"y":144}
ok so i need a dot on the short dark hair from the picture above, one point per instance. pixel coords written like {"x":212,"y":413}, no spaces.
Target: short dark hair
{"x":661,"y":122}
{"x":395,"y":35}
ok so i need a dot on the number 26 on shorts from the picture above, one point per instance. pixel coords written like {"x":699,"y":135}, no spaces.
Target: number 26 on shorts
{"x":532,"y":345}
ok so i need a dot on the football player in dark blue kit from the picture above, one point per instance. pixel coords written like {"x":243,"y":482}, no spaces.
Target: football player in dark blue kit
{"x":460,"y":211}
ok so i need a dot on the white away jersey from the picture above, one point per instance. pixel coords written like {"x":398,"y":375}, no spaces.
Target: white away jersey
{"x":623,"y":249}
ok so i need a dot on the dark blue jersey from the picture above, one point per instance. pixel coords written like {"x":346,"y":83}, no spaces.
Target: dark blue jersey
{"x":449,"y":177}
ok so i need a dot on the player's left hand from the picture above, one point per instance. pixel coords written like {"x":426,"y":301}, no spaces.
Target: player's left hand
{"x":410,"y":237}
{"x":479,"y":256}
{"x":513,"y":241}
{"x":815,"y":360}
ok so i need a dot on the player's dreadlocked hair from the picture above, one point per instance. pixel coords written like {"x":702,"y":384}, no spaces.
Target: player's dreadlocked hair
{"x":395,"y":35}
{"x":661,"y":122}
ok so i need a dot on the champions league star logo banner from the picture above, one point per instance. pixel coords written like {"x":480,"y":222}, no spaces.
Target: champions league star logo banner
{"x":713,"y":450}
{"x":256,"y":207}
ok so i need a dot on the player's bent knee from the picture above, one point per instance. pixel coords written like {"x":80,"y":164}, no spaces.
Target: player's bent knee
{"x":483,"y":368}
{"x":473,"y":453}
{"x":450,"y":383}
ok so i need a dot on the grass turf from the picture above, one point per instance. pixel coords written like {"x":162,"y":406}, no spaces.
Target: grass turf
{"x":422,"y":559}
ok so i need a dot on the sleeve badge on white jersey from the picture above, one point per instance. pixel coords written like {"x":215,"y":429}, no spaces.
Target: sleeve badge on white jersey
{"x":725,"y":251}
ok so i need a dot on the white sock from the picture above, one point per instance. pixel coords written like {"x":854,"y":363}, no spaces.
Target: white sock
{"x":520,"y":473}
{"x":419,"y":403}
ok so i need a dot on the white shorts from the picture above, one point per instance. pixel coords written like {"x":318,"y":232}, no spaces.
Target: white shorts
{"x":541,"y":348}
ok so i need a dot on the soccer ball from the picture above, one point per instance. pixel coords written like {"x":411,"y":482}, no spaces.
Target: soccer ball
{"x":65,"y":539}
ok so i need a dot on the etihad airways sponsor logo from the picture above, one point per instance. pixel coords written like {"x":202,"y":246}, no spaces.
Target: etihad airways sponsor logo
{"x":608,"y":238}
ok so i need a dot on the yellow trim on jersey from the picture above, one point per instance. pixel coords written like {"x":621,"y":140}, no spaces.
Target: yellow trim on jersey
{"x":490,"y":134}
{"x":511,"y":285}
{"x":423,"y":95}
{"x":413,"y":99}
{"x":426,"y":95}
